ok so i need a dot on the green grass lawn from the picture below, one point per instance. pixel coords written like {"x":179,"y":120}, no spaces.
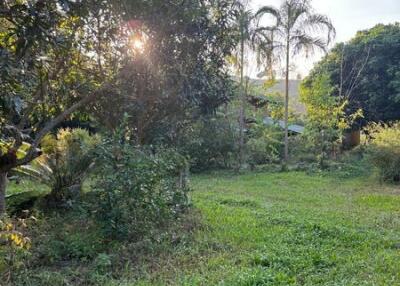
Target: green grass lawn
{"x":288,"y":229}
{"x":253,"y":229}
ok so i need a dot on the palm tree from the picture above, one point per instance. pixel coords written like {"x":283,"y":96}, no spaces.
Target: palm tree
{"x":250,"y":39}
{"x":298,"y":29}
{"x":245,"y":19}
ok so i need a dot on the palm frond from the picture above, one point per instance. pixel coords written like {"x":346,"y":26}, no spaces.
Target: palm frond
{"x":265,"y":29}
{"x":298,"y":10}
{"x":304,"y":42}
{"x":268,"y":10}
{"x":319,"y":23}
{"x":244,"y":20}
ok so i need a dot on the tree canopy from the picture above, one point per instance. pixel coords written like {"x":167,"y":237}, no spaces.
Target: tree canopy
{"x":160,"y":62}
{"x":366,"y":73}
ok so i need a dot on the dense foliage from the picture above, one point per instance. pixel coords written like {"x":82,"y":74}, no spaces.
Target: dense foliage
{"x":15,"y":245}
{"x":179,"y":73}
{"x":106,"y":105}
{"x":211,"y":143}
{"x":66,"y":161}
{"x":264,"y":145}
{"x":384,"y":150}
{"x":365,"y":72}
{"x":96,"y":60}
{"x":326,"y":118}
{"x":51,"y":66}
{"x":136,"y":189}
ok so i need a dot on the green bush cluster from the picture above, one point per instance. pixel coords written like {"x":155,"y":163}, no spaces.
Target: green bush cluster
{"x":264,"y":145}
{"x":15,"y":247}
{"x":66,"y":161}
{"x":383,"y":152}
{"x":211,"y":143}
{"x":136,"y":189}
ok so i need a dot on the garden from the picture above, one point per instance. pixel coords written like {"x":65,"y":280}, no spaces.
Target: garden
{"x":139,"y":147}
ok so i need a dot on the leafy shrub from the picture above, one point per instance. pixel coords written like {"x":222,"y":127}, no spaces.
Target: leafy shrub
{"x":211,"y":143}
{"x":14,"y":247}
{"x":264,"y":144}
{"x":102,"y":262}
{"x":323,"y":144}
{"x":300,"y":150}
{"x":68,"y":244}
{"x":327,"y":118}
{"x":383,"y":152}
{"x":136,"y":189}
{"x":65,"y":163}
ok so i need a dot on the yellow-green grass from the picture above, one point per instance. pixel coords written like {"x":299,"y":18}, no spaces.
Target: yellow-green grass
{"x":288,"y":229}
{"x":255,"y":229}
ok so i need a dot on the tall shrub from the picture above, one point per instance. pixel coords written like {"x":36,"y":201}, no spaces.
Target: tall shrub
{"x":326,"y":117}
{"x":137,"y":189}
{"x":384,"y":150}
{"x":264,"y":144}
{"x":211,"y":143}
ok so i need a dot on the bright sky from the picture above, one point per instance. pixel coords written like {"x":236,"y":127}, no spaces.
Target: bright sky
{"x":348,"y":17}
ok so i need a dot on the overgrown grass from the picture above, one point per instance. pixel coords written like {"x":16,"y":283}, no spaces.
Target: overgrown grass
{"x":290,"y":229}
{"x":256,"y":229}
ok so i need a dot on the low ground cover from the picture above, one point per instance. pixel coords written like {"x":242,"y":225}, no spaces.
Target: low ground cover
{"x":256,"y":229}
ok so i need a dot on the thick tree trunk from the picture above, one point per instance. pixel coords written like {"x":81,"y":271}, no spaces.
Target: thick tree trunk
{"x":286,"y":158}
{"x":3,"y":186}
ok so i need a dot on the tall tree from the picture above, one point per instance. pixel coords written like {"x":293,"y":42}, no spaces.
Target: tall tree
{"x":244,"y":19}
{"x":57,"y":56}
{"x":48,"y":72}
{"x":365,"y":72}
{"x":298,"y":29}
{"x":250,"y":39}
{"x":180,"y":74}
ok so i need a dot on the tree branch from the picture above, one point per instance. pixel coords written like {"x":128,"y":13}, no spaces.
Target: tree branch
{"x":33,"y":153}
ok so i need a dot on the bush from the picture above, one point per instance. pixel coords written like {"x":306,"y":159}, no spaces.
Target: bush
{"x":383,"y":152}
{"x":327,"y":118}
{"x":136,"y":189}
{"x":14,"y":247}
{"x":64,"y":165}
{"x":264,"y":145}
{"x":69,"y":236}
{"x":211,"y":143}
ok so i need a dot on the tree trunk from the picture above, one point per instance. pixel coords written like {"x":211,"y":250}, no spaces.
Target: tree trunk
{"x":243,"y":102}
{"x":3,"y":186}
{"x":286,"y":158}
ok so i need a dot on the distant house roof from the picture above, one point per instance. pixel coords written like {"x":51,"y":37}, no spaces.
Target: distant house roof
{"x":292,"y":127}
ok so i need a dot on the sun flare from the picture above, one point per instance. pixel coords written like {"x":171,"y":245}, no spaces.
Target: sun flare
{"x":138,"y":43}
